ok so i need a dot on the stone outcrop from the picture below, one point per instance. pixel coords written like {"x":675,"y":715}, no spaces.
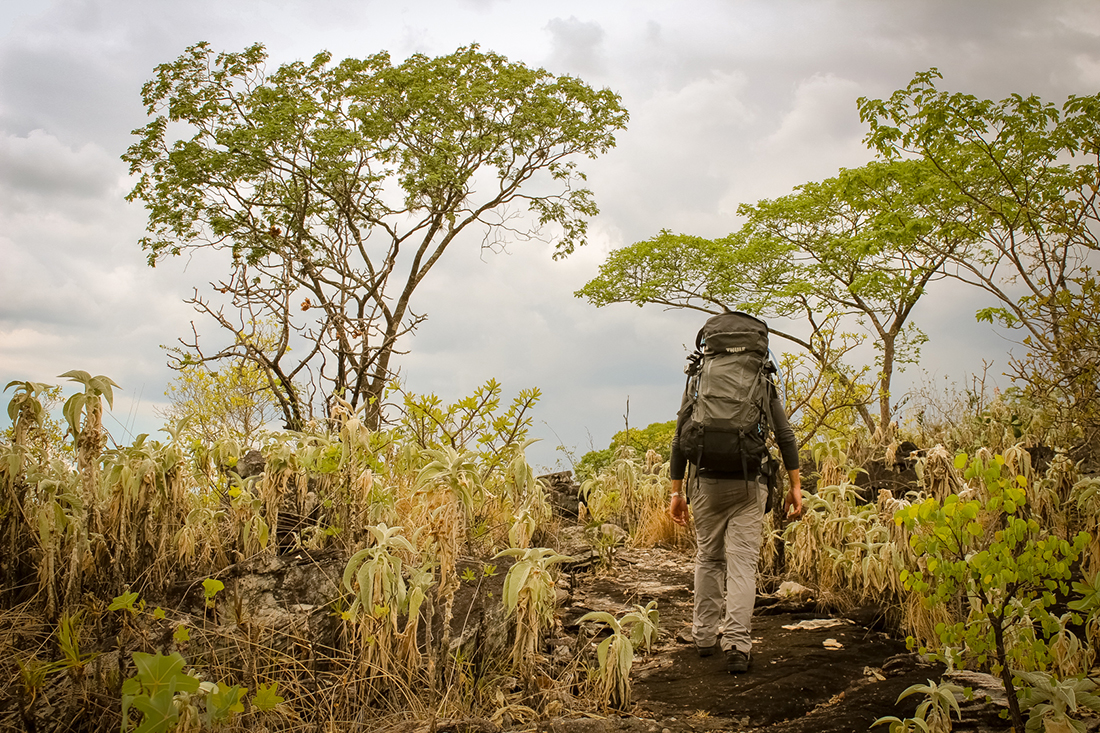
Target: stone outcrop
{"x":563,"y":493}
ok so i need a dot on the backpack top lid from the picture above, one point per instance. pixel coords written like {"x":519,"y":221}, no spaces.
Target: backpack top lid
{"x":733,"y":332}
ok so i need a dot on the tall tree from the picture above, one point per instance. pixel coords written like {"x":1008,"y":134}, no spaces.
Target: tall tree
{"x":335,"y":188}
{"x":865,"y":243}
{"x":1024,"y":177}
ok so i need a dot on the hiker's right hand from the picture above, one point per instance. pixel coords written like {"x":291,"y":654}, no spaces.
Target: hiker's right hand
{"x":677,"y":505}
{"x":678,"y":510}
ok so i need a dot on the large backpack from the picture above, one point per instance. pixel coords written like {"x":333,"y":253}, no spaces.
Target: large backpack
{"x":728,"y":396}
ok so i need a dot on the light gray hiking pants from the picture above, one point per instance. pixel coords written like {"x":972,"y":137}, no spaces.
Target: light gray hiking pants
{"x":729,"y":515}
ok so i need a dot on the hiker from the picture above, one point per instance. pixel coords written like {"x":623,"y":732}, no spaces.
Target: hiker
{"x":731,"y":476}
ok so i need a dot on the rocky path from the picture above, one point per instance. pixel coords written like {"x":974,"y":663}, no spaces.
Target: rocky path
{"x":811,"y":671}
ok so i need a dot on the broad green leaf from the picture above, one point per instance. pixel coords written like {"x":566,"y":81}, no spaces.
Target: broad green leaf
{"x":224,"y":702}
{"x":211,"y":587}
{"x":124,"y":602}
{"x":266,"y":697}
{"x":158,"y":711}
{"x":158,"y":672}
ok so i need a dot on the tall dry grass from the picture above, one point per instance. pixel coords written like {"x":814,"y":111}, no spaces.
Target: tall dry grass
{"x":125,"y":538}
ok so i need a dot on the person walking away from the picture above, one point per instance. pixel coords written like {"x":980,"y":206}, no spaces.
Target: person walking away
{"x":730,"y":487}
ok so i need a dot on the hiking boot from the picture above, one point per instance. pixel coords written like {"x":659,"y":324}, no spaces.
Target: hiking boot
{"x":706,"y":651}
{"x":737,"y":661}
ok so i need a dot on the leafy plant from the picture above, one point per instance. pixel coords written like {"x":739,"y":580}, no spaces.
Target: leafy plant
{"x":210,"y":589}
{"x":615,"y":654}
{"x":153,"y":691}
{"x":232,"y":402}
{"x":130,"y":601}
{"x":167,"y":696}
{"x":267,"y":697}
{"x":987,"y":558}
{"x":379,"y":596}
{"x":68,"y":641}
{"x":1051,"y":703}
{"x":528,"y":595}
{"x":644,"y":622}
{"x":933,"y":715}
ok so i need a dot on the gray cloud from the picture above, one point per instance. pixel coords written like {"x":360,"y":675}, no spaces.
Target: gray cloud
{"x":577,"y":46}
{"x":40,"y":165}
{"x":729,"y":102}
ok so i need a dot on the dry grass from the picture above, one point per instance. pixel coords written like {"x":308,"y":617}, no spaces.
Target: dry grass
{"x":155,"y":519}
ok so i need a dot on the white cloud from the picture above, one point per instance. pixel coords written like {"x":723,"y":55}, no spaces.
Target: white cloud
{"x":729,"y":103}
{"x":817,"y":135}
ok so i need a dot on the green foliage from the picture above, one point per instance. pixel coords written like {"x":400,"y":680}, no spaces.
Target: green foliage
{"x":26,"y":402}
{"x":129,"y":601}
{"x":529,"y":595}
{"x":824,"y":396}
{"x":162,"y":517}
{"x":1050,"y":703}
{"x":223,"y":702}
{"x":88,"y":402}
{"x":865,"y":243}
{"x":475,"y":423}
{"x":338,"y":186}
{"x":68,"y":641}
{"x":233,"y":402}
{"x":655,"y":436}
{"x":153,"y":690}
{"x":992,"y":560}
{"x":380,"y":596}
{"x":374,"y":576}
{"x":631,"y":493}
{"x":933,"y":715}
{"x":210,"y":589}
{"x":971,"y":418}
{"x":32,"y":425}
{"x":1023,"y":175}
{"x":267,"y":697}
{"x":644,"y":622}
{"x":34,"y":673}
{"x":615,"y":654}
{"x":33,"y":440}
{"x":167,"y":697}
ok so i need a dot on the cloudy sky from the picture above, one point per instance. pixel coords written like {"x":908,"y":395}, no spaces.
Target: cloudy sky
{"x":730,"y":101}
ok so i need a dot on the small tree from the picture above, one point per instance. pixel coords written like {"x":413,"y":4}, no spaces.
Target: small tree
{"x":233,"y":402}
{"x":865,"y":243}
{"x":992,"y":565}
{"x":334,"y":189}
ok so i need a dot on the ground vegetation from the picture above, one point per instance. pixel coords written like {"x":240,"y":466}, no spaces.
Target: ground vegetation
{"x":411,"y":575}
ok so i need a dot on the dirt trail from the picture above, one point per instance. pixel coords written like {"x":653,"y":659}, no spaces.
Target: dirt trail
{"x":800,"y":681}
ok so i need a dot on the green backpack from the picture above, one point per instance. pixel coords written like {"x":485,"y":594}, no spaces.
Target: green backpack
{"x":728,"y":396}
